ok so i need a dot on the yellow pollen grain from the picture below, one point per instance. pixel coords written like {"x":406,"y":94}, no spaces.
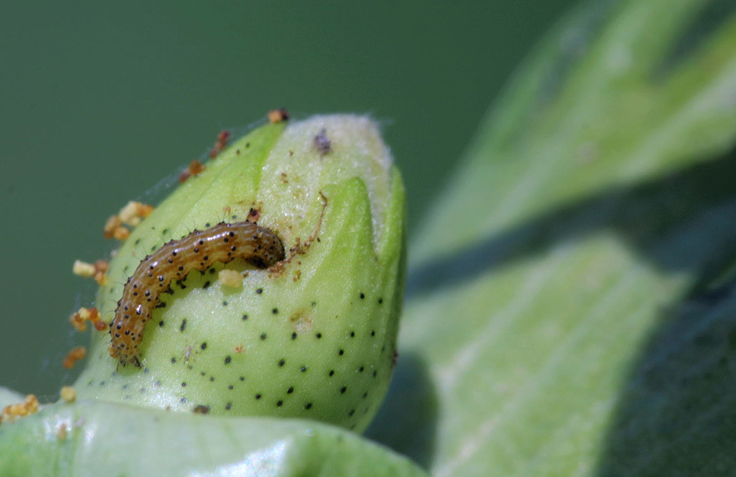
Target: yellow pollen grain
{"x":121,"y":233}
{"x":230,"y":278}
{"x":83,"y":269}
{"x":68,"y":394}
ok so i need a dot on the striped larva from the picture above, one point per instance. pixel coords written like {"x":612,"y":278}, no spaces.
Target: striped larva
{"x":173,"y":261}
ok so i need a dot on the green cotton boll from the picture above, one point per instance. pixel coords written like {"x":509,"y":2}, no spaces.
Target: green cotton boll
{"x":312,"y":337}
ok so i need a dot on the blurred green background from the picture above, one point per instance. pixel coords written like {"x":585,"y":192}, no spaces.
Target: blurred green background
{"x":99,"y":101}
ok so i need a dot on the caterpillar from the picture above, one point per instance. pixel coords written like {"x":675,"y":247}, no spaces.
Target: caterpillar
{"x":173,"y":261}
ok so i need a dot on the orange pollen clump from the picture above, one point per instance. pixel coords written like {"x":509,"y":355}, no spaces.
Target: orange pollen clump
{"x":73,"y":356}
{"x":18,"y":410}
{"x":278,"y":115}
{"x":80,"y":318}
{"x":222,"y":140}
{"x":195,"y":168}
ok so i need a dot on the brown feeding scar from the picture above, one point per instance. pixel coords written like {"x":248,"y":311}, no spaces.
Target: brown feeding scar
{"x":173,"y":261}
{"x":300,"y":248}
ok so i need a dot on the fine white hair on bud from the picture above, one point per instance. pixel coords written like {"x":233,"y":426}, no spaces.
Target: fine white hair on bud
{"x":303,"y":158}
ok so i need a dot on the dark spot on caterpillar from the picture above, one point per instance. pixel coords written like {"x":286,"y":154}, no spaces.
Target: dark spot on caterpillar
{"x":157,"y":271}
{"x":343,"y":389}
{"x":331,"y":373}
{"x":275,"y":311}
{"x":258,"y":396}
{"x":290,"y":390}
{"x":304,"y":369}
{"x":362,"y":296}
{"x":282,"y":362}
{"x":245,"y":317}
{"x":206,"y":285}
{"x":203,"y":345}
{"x":227,"y":360}
{"x":308,"y":406}
{"x":183,"y":325}
{"x":228,"y":406}
{"x":259,"y":290}
{"x":263,"y":336}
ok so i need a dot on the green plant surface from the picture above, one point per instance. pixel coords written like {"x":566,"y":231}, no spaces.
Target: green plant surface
{"x":93,"y":438}
{"x":570,"y":297}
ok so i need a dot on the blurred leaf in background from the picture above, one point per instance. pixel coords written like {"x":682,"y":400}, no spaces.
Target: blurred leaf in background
{"x":571,"y":297}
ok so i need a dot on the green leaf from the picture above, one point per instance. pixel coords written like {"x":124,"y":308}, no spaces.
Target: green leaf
{"x":571,"y":305}
{"x":91,"y":439}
